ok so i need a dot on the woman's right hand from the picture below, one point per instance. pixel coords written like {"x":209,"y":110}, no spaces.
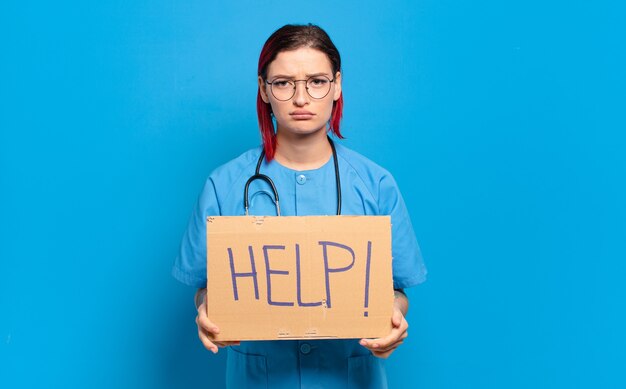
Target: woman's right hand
{"x":207,"y":329}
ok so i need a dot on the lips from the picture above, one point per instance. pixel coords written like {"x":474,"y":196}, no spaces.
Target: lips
{"x":301,"y":114}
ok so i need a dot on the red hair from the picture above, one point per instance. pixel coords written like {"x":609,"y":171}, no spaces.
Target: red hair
{"x":291,"y":37}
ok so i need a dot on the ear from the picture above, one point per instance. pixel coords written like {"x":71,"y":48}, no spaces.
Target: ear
{"x":337,"y":93}
{"x":263,"y":90}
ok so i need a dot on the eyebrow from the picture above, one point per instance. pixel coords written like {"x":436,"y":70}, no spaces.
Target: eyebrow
{"x":307,"y":75}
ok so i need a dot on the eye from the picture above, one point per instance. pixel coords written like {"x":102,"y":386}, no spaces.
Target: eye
{"x":282,"y":84}
{"x":318,"y":82}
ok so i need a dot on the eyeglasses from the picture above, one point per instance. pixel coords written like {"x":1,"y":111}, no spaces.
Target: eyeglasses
{"x":284,"y":89}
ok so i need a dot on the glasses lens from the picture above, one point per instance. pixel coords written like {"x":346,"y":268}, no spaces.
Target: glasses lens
{"x":283,"y":89}
{"x":318,"y":86}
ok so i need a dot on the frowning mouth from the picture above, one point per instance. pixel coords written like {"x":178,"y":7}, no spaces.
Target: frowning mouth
{"x":301,"y":114}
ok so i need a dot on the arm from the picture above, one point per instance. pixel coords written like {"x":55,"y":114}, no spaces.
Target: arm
{"x":383,"y":347}
{"x":206,"y":329}
{"x":408,"y":266}
{"x":401,"y":301}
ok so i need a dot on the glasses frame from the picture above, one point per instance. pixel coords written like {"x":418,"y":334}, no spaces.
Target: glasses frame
{"x":295,"y":82}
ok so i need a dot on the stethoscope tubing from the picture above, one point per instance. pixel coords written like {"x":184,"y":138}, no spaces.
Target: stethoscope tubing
{"x":258,"y":176}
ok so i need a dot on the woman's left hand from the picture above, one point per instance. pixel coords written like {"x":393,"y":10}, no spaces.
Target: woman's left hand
{"x":383,"y":347}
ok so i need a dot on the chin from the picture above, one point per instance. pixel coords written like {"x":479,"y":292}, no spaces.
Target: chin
{"x":308,"y":129}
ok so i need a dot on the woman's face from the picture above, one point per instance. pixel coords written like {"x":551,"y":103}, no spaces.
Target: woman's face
{"x":301,"y":114}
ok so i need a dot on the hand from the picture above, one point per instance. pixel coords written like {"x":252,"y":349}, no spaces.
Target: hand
{"x":383,"y":347}
{"x":207,"y":331}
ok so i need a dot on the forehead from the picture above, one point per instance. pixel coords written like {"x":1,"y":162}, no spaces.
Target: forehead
{"x":299,"y":62}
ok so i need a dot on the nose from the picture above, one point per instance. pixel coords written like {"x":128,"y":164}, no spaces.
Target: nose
{"x":301,"y":96}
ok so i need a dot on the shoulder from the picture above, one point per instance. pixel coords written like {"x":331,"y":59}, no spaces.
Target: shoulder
{"x":235,"y":168}
{"x":367,"y":170}
{"x":244,"y":160}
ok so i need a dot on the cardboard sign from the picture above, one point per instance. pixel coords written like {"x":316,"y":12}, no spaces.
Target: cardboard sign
{"x":299,"y":277}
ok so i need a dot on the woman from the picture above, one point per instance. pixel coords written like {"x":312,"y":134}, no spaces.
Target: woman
{"x":299,"y":81}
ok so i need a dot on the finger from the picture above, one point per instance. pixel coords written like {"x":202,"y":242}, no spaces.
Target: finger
{"x":206,"y":325}
{"x":399,"y":321}
{"x":384,"y":342}
{"x":202,"y":320}
{"x":206,"y":341}
{"x":385,"y":354}
{"x":397,"y":317}
{"x":385,"y":347}
{"x":389,"y":348}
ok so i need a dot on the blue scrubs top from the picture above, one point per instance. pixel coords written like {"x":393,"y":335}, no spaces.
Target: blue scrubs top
{"x":367,"y":189}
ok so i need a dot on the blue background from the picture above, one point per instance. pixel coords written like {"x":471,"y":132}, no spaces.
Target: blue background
{"x":503,"y":123}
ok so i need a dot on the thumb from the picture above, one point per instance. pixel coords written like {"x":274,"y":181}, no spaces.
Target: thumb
{"x":396,"y":318}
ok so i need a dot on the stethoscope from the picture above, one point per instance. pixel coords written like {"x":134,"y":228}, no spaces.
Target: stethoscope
{"x":259,"y":176}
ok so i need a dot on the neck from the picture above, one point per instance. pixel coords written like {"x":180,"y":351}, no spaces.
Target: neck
{"x":303,"y":152}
